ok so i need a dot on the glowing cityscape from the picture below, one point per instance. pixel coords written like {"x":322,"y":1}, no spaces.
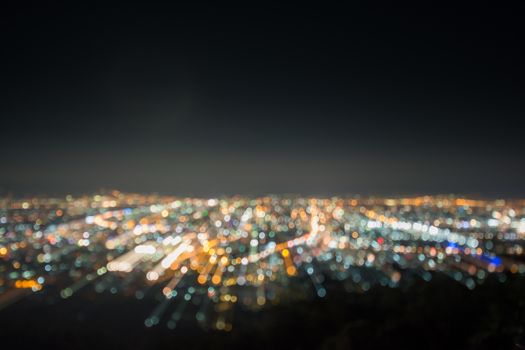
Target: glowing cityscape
{"x":251,"y":252}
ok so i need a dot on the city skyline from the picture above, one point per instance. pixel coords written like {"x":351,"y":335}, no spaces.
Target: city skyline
{"x":262,"y":175}
{"x":252,"y":251}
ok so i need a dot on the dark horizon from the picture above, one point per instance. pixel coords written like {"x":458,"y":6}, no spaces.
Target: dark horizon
{"x":207,"y":100}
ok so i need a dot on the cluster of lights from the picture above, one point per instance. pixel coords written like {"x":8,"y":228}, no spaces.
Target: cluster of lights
{"x":218,"y":253}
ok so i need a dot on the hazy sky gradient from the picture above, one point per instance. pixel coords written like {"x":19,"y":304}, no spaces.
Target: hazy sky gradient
{"x":213,"y":100}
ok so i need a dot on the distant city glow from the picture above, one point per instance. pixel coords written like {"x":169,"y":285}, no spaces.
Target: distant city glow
{"x":219,"y":252}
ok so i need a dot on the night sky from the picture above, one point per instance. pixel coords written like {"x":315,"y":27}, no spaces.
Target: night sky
{"x":211,"y":100}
